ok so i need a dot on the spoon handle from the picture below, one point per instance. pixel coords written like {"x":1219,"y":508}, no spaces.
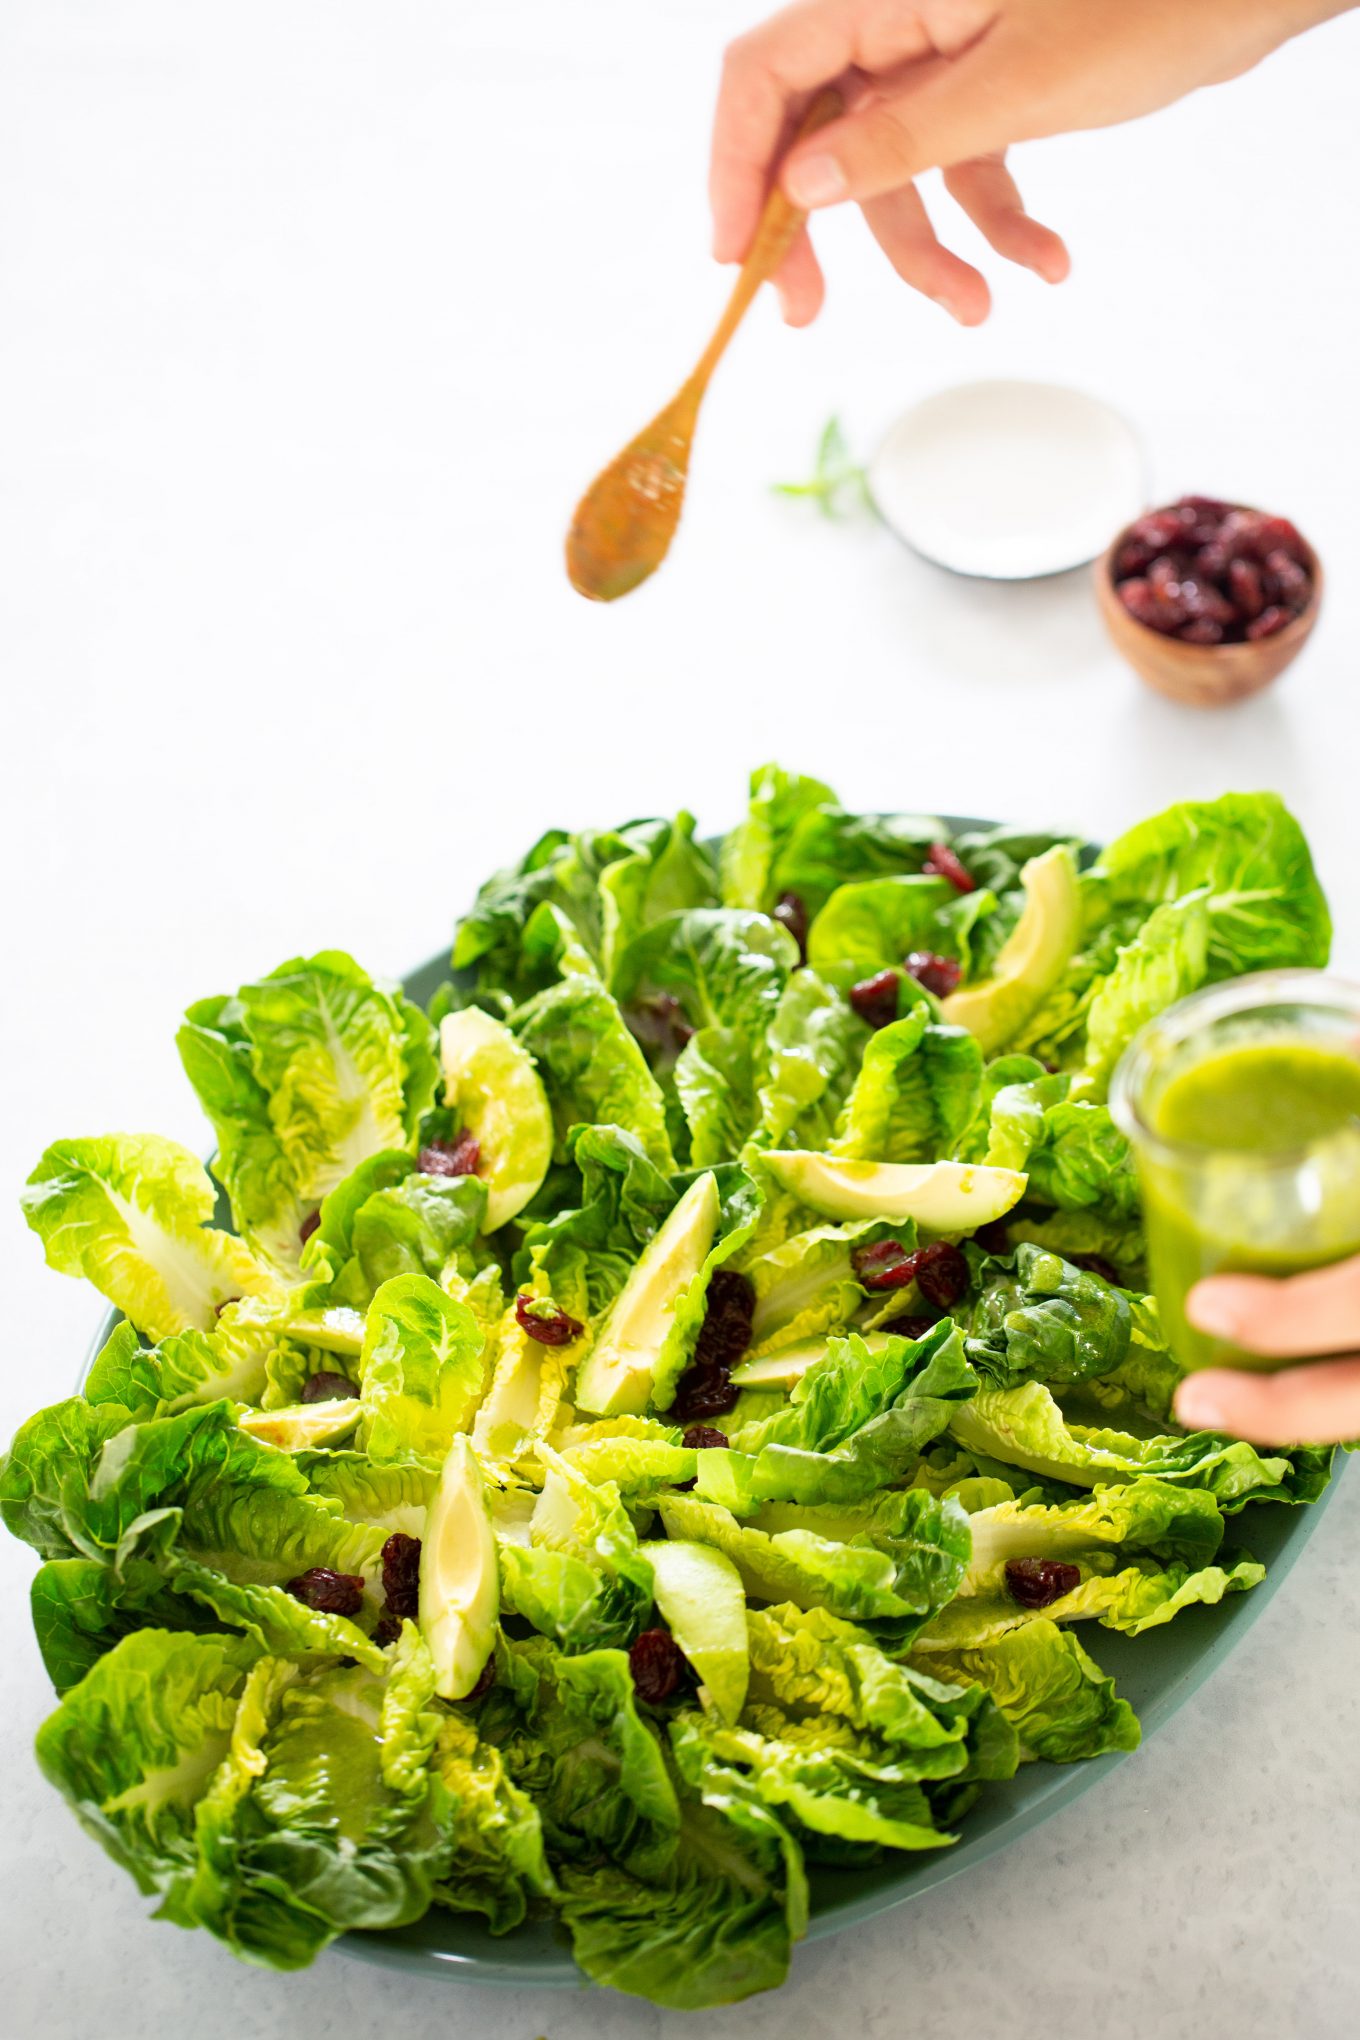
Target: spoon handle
{"x":778,"y":224}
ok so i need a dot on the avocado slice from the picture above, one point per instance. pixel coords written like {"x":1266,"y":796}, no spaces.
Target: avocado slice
{"x":301,"y":1427}
{"x":459,"y":1581}
{"x":944,"y":1197}
{"x":618,"y":1373}
{"x":1033,"y":957}
{"x":700,"y":1594}
{"x":491,"y":1082}
{"x":791,"y":1363}
{"x":336,"y":1329}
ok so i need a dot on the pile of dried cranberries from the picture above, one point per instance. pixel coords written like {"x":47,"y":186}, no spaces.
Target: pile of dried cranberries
{"x":1210,"y":574}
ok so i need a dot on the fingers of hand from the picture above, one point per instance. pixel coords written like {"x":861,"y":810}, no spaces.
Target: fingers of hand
{"x":799,"y":283}
{"x":900,"y":224}
{"x":1317,"y":1405}
{"x":989,"y":195}
{"x":1305,"y":1314}
{"x":767,"y":77}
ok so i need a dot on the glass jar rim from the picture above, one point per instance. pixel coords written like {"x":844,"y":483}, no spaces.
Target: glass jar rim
{"x":1202,"y":1009}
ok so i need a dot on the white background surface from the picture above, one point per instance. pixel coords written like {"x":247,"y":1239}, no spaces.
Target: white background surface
{"x":314,"y":318}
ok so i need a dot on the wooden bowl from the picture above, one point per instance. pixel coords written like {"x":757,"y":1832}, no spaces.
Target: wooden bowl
{"x":1206,"y":676}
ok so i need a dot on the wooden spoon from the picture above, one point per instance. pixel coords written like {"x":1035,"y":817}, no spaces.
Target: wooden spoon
{"x":626,"y":520}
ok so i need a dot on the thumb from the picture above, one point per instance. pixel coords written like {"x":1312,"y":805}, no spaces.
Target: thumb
{"x":1318,"y":1405}
{"x":1302,"y":1315}
{"x":950,"y":112}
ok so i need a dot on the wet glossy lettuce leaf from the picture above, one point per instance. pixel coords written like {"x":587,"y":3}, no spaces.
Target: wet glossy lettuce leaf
{"x":1037,"y":1318}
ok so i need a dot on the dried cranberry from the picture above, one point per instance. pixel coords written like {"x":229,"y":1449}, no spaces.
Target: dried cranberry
{"x":1245,"y":588}
{"x":884,"y":1265}
{"x":1286,"y":581}
{"x":791,"y":913}
{"x":1138,"y":598}
{"x":704,"y":1392}
{"x":327,"y":1592}
{"x":386,"y":1630}
{"x":703,"y":1438}
{"x":942,"y":862}
{"x":1157,"y":529}
{"x":325,"y":1387}
{"x":939,"y":974}
{"x":1277,"y":534}
{"x":1203,"y":631}
{"x":994,"y":1237}
{"x":1038,"y":1582}
{"x":450,"y":1157}
{"x":401,"y":1574}
{"x":875,"y":998}
{"x":1200,"y":518}
{"x":1268,"y":622}
{"x":486,"y":1679}
{"x":729,"y":1312}
{"x":225,"y":1304}
{"x":545,"y":1322}
{"x":1132,"y":557}
{"x":658,"y":1666}
{"x":911,"y":1327}
{"x":309,"y":1226}
{"x":941,"y":1274}
{"x":659,"y":1023}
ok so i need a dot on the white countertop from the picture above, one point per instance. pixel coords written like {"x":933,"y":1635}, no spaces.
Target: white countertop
{"x":313,"y":321}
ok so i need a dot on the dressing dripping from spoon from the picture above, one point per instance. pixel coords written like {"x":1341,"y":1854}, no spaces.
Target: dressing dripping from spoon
{"x":626,"y":520}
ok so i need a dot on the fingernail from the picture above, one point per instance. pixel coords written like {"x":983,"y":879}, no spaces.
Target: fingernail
{"x":1209,"y":1311}
{"x":815,"y":180}
{"x":950,"y":305}
{"x":1198,"y":1407}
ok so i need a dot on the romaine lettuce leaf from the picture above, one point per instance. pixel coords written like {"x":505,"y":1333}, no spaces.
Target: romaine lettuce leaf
{"x":592,"y":1069}
{"x":304,"y":1075}
{"x":778,"y":802}
{"x":1058,"y":1700}
{"x":421,"y":1370}
{"x":1037,"y":1318}
{"x":129,"y":1212}
{"x":717,"y":1923}
{"x":1025,"y":1427}
{"x":916,"y":1094}
{"x":581,"y":1579}
{"x":498,"y":1862}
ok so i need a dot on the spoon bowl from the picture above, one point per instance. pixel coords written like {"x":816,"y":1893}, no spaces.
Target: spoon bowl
{"x":624,"y":523}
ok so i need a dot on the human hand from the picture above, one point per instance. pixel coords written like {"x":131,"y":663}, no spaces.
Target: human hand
{"x":951,"y":84}
{"x":1302,"y":1315}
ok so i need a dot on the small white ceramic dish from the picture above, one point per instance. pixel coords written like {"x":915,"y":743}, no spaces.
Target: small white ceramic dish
{"x":1008,"y":480}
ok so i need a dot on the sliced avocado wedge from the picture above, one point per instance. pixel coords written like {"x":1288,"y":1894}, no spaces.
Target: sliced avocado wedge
{"x":791,"y":1363}
{"x":491,"y":1082}
{"x":459,"y":1581}
{"x":1033,"y":957}
{"x":700,"y":1594}
{"x":618,"y":1373}
{"x":303,"y":1426}
{"x":336,"y":1329}
{"x":944,"y":1197}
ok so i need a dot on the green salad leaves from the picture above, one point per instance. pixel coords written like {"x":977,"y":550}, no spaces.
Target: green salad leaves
{"x":511,"y":1497}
